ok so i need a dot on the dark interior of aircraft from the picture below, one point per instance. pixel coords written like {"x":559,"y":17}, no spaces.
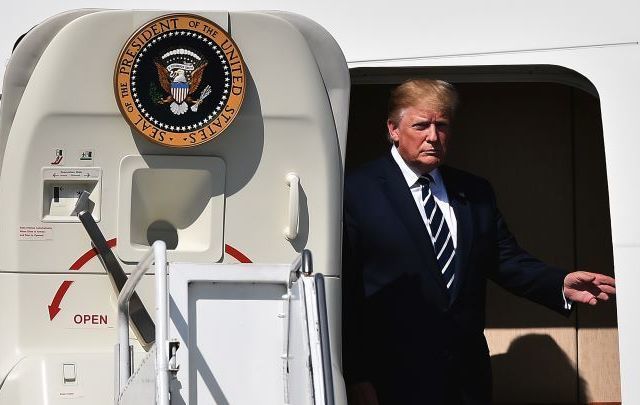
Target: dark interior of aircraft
{"x":536,"y":134}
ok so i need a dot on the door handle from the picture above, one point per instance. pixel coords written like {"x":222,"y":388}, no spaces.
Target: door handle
{"x":291,"y":231}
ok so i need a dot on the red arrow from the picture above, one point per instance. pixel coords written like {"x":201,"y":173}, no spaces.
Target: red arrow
{"x":54,"y":308}
{"x":90,"y":254}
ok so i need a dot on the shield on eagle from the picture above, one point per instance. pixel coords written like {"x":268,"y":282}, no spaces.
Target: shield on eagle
{"x":179,"y":91}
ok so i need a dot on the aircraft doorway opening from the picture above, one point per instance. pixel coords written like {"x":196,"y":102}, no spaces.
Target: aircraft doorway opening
{"x":536,"y":134}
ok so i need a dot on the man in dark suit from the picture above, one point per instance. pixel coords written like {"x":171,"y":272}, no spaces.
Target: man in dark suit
{"x":420,"y":241}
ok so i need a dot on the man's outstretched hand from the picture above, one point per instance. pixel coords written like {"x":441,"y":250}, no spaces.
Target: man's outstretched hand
{"x":588,"y":288}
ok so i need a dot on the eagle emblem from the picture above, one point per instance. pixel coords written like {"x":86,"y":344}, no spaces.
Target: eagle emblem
{"x":180,"y":80}
{"x":180,"y":74}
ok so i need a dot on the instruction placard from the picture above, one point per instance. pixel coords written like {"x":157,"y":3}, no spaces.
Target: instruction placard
{"x":71,"y":173}
{"x":35,"y":232}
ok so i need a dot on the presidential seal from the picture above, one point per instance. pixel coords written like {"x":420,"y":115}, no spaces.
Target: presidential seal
{"x":180,"y":80}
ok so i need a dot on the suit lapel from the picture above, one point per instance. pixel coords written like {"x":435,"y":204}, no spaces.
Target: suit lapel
{"x":462,"y":210}
{"x":396,"y":190}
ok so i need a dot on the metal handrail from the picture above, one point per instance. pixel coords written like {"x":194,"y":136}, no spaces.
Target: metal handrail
{"x":323,"y":326}
{"x":158,"y":255}
{"x":162,"y":324}
{"x":303,"y":263}
{"x":140,"y":317}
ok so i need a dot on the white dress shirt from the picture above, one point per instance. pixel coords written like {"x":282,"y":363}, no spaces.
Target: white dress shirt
{"x":437,"y":189}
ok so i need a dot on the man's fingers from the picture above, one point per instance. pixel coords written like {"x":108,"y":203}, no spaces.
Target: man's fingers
{"x":589,"y":298}
{"x":592,"y":296}
{"x":589,"y":288}
{"x":607,"y":288}
{"x":585,"y":276}
{"x":600,"y":292}
{"x":603,"y":279}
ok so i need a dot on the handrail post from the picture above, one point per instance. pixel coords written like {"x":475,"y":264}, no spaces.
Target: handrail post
{"x":124,"y":354}
{"x":162,"y":320}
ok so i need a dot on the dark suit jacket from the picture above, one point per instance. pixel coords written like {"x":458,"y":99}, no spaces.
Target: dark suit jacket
{"x":402,"y":330}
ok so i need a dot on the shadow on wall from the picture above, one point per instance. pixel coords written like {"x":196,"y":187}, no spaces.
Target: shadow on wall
{"x":535,"y":369}
{"x":244,"y":138}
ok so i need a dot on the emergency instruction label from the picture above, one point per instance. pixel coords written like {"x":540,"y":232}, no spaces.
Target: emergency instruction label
{"x":35,"y":232}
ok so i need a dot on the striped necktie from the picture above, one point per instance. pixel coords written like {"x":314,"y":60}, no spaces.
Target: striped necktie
{"x":440,"y":235}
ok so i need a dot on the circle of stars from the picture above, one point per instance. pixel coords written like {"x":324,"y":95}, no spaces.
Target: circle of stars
{"x":221,"y":102}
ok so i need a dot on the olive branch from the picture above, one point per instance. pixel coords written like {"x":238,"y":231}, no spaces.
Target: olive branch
{"x":155,"y":93}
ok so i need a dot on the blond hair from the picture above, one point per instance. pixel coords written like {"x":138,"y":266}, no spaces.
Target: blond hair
{"x":435,"y":94}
